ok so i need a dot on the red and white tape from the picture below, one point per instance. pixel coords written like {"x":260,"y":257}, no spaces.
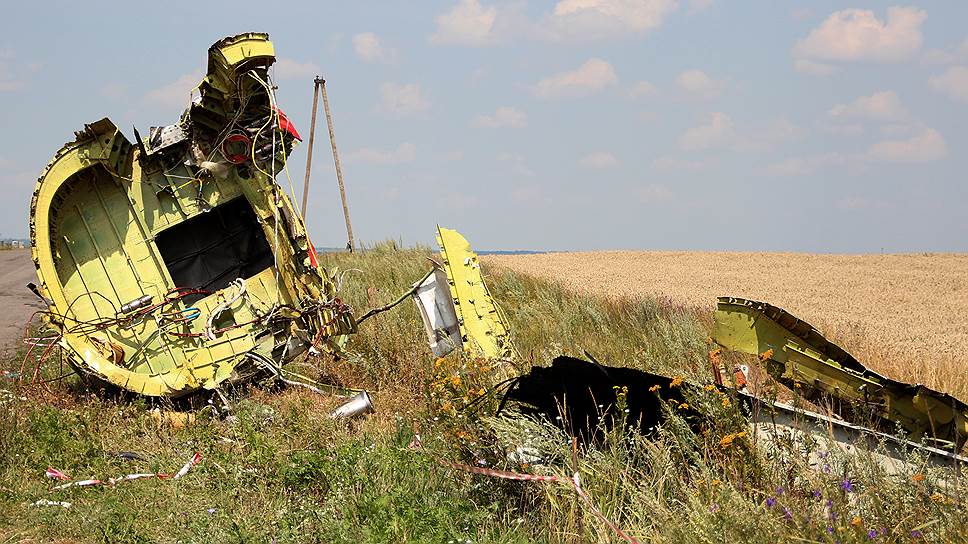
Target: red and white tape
{"x":59,"y":475}
{"x":574,"y":482}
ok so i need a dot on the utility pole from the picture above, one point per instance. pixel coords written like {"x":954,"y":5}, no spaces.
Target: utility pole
{"x":309,"y":153}
{"x":339,"y":172}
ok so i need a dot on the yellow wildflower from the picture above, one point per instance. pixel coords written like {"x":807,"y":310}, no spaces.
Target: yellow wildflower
{"x":938,"y":498}
{"x":727,"y":440}
{"x":716,"y":482}
{"x":725,"y":402}
{"x":455,"y":380}
{"x":856,"y":521}
{"x":684,"y":406}
{"x":710,"y":387}
{"x":768,"y":354}
{"x":918,"y":477}
{"x":676,"y":381}
{"x":655,"y":388}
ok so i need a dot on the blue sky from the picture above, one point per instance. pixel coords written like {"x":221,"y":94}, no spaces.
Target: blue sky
{"x":580,"y":124}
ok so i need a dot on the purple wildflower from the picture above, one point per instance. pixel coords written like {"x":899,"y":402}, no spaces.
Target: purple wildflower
{"x":787,"y":514}
{"x":872,"y":534}
{"x":826,"y":469}
{"x":847,"y":485}
{"x":771,"y":502}
{"x":714,"y":508}
{"x":830,"y":529}
{"x":916,"y":534}
{"x":779,"y":491}
{"x":817,"y":494}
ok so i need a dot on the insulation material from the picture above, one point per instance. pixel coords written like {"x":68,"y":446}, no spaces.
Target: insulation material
{"x":432,"y":296}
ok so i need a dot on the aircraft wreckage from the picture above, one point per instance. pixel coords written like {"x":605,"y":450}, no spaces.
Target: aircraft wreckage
{"x":176,"y":264}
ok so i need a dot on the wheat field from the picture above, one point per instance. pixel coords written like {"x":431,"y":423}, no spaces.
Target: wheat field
{"x":905,"y":316}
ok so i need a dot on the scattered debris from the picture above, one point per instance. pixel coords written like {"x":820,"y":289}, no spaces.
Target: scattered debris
{"x":59,"y":475}
{"x":125,"y":455}
{"x":46,"y":502}
{"x":358,"y":405}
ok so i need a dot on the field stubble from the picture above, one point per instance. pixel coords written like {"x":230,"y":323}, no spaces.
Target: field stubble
{"x":905,"y":316}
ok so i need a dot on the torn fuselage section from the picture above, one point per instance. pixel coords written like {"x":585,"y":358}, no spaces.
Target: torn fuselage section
{"x":168,"y":261}
{"x":797,"y":355}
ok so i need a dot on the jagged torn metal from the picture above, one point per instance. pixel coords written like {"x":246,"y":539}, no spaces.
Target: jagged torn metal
{"x":796,"y":354}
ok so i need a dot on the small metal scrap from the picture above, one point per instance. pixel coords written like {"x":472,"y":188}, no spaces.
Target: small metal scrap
{"x":358,"y":405}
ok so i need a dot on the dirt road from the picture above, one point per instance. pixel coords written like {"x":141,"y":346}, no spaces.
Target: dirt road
{"x":17,"y":303}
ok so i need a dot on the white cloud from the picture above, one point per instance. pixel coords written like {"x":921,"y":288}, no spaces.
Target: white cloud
{"x":857,"y":34}
{"x":720,"y":132}
{"x":880,"y":106}
{"x":598,"y":160}
{"x":402,"y":100}
{"x":598,"y":19}
{"x":469,"y":23}
{"x":698,"y":82}
{"x":717,"y":131}
{"x":591,"y":77}
{"x":178,"y":92}
{"x":954,"y":82}
{"x":291,"y":69}
{"x":404,"y":153}
{"x":368,"y":47}
{"x":642,"y":88}
{"x":504,"y":116}
{"x":653,"y":192}
{"x":472,"y":23}
{"x":814,"y":68}
{"x":518,"y":163}
{"x":925,"y":145}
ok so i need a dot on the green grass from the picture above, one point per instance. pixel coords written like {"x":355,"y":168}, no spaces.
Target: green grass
{"x":280,"y":470}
